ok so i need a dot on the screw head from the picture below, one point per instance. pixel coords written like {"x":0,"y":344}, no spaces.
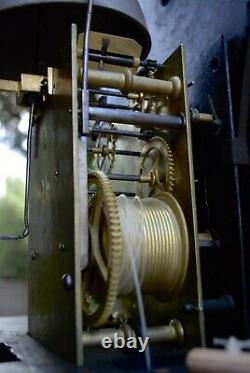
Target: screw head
{"x":190,"y":84}
{"x":42,"y":185}
{"x":67,"y":281}
{"x":34,"y":255}
{"x":61,"y":246}
{"x":179,"y":331}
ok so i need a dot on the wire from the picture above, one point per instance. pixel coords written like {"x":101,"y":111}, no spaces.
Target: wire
{"x":25,"y":232}
{"x":85,"y":92}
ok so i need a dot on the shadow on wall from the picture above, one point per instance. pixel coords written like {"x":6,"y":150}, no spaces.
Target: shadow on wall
{"x":13,"y":254}
{"x":13,"y":295}
{"x":14,"y":122}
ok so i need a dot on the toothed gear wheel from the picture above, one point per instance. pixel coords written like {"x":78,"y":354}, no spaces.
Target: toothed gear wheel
{"x":157,"y":160}
{"x":102,"y":277}
{"x":105,"y":162}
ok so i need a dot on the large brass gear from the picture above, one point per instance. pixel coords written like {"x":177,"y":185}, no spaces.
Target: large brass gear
{"x":157,"y":160}
{"x":101,"y":279}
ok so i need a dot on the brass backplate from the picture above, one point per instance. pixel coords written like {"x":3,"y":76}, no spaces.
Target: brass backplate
{"x":55,"y":317}
{"x":190,"y":297}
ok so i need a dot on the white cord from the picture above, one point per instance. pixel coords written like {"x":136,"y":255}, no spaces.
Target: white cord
{"x":133,"y":239}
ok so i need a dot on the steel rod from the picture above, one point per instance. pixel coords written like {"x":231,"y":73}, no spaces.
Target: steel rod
{"x":145,"y":120}
{"x":139,"y":178}
{"x":113,"y":60}
{"x":110,"y":151}
{"x":128,"y":194}
{"x":106,"y":92}
{"x":124,"y":177}
{"x":209,"y":243}
{"x":127,"y":152}
{"x":111,"y":106}
{"x":224,"y":304}
{"x":139,"y":135}
{"x":122,"y":61}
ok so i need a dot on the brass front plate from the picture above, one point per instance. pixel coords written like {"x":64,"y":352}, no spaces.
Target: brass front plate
{"x":55,"y":317}
{"x":184,"y":192}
